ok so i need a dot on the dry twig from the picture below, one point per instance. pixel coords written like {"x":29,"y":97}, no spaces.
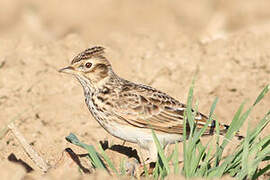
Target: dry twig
{"x":34,"y":156}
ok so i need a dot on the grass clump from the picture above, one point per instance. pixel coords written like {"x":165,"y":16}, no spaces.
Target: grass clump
{"x":207,"y":160}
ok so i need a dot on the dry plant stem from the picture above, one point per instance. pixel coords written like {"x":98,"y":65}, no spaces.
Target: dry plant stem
{"x":34,"y":156}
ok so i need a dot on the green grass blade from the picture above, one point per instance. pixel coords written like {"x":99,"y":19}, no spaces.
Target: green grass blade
{"x":244,"y":161}
{"x":190,"y":116}
{"x":196,"y":161}
{"x":122,"y":167}
{"x":188,"y":123}
{"x":245,"y":156}
{"x":198,"y":135}
{"x":162,"y":170}
{"x":175,"y":159}
{"x":233,"y":128}
{"x":156,"y":171}
{"x":261,"y":172}
{"x":206,"y":163}
{"x":218,"y":148}
{"x":107,"y":159}
{"x":262,"y":94}
{"x":262,"y":124}
{"x":220,"y":170}
{"x":261,"y":155}
{"x":161,"y":152}
{"x":170,"y":157}
{"x":185,"y":165}
{"x":96,"y":160}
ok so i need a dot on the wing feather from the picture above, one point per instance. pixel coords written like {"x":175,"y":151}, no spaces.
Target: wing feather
{"x":146,"y":107}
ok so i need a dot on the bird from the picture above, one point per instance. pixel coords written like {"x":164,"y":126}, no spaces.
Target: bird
{"x":131,"y":111}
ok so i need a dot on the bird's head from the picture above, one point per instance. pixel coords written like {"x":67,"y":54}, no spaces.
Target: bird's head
{"x":90,"y":67}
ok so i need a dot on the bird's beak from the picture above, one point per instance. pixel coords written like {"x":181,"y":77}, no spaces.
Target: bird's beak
{"x":68,"y":70}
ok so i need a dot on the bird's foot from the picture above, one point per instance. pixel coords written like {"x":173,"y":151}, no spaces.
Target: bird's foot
{"x":146,"y":167}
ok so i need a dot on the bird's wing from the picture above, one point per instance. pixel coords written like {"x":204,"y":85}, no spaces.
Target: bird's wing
{"x":145,"y":107}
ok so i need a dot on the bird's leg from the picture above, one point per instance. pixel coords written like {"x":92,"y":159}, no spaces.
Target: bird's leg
{"x":152,"y":150}
{"x":165,"y":148}
{"x":153,"y":156}
{"x":152,"y":153}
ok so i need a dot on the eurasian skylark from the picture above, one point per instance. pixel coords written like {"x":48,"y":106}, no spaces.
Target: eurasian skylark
{"x":128,"y":110}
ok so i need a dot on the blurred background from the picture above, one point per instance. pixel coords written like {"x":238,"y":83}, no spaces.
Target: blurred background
{"x":159,"y":43}
{"x":100,"y":21}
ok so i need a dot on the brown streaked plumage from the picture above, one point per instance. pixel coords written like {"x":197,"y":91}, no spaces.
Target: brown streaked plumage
{"x":128,"y":110}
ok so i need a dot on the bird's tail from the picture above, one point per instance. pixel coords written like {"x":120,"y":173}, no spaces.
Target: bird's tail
{"x":223,"y":128}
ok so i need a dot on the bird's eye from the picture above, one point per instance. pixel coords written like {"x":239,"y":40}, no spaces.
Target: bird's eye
{"x":88,"y":65}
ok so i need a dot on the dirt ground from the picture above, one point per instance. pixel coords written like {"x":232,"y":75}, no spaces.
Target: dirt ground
{"x":159,"y":43}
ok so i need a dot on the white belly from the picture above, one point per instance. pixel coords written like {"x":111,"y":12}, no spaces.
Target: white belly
{"x":140,"y":135}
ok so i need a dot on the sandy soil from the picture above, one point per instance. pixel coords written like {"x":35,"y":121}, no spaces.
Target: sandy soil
{"x":159,"y":43}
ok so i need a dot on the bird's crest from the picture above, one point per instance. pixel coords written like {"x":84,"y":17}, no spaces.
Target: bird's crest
{"x":88,"y":53}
